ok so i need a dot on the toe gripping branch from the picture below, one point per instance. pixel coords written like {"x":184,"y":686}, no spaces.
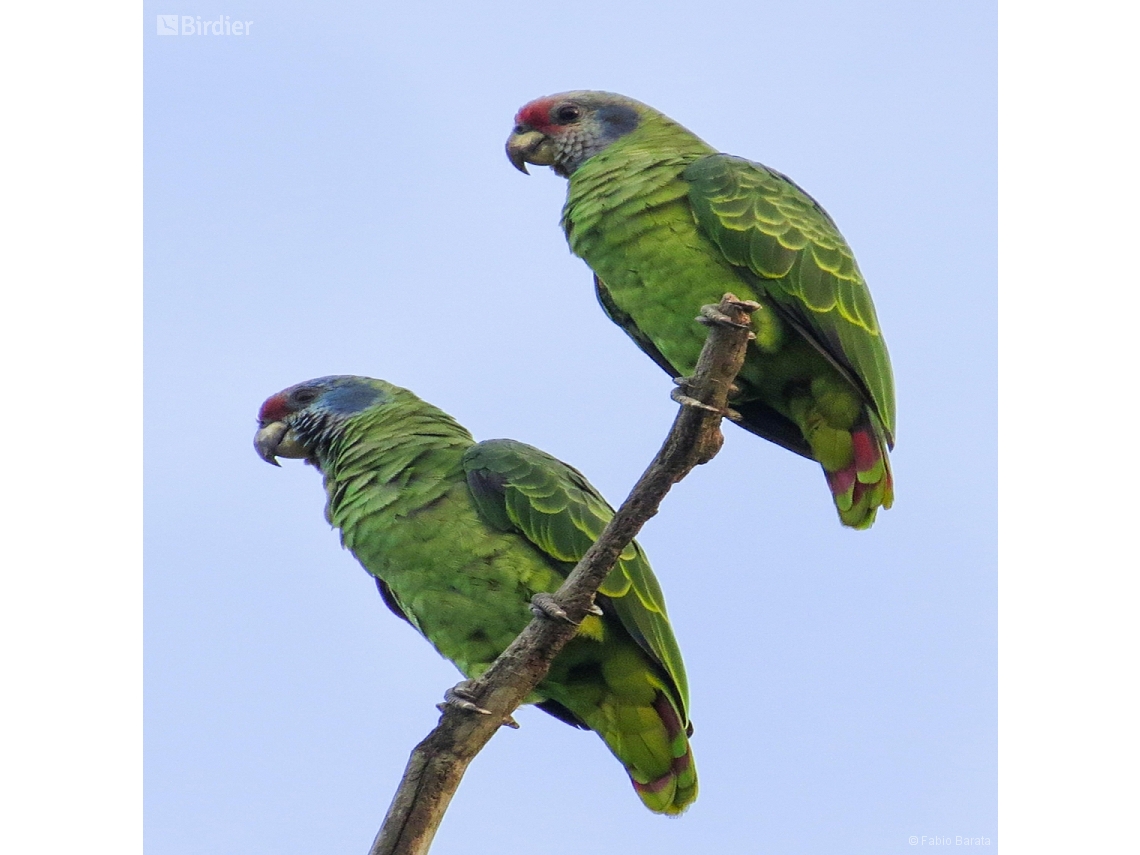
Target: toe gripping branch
{"x":461,"y":696}
{"x":731,"y":314}
{"x":464,"y":695}
{"x":543,"y":605}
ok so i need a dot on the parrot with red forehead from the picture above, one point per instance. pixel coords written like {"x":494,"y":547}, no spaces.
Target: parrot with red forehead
{"x":464,"y":538}
{"x":668,"y":225}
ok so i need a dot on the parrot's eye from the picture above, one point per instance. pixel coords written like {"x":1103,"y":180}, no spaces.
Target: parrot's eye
{"x":304,"y":397}
{"x":567,"y":113}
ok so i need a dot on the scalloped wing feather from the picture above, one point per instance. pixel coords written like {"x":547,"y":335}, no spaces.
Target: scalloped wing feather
{"x":763,"y":222}
{"x":519,"y":488}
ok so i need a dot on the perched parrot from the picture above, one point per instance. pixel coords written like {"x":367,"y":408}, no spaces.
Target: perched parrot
{"x":460,"y":536}
{"x":668,"y":225}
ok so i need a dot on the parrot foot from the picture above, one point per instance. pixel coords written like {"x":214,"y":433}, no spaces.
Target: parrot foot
{"x":460,"y":696}
{"x":713,"y":315}
{"x":543,"y":605}
{"x":679,"y":396}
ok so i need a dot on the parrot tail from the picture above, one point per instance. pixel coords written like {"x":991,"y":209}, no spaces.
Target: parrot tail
{"x":865,"y":484}
{"x":636,"y":710}
{"x":672,"y":792}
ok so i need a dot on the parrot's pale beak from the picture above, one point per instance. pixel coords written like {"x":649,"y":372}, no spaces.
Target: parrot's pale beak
{"x":274,"y":440}
{"x":529,"y":146}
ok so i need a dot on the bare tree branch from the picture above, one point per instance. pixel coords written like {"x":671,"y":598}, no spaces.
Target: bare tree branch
{"x":437,"y":764}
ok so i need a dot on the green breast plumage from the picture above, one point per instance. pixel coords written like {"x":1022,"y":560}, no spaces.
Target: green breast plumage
{"x":630,"y":220}
{"x":405,"y":511}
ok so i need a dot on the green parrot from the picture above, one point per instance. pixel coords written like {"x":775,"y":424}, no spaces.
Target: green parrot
{"x":461,"y":537}
{"x":668,"y":225}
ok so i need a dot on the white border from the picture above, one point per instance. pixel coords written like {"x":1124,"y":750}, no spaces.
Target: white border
{"x":1068,"y":431}
{"x":71,"y":264}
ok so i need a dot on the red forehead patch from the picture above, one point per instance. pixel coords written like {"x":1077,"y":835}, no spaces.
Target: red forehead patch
{"x":274,"y":409}
{"x":536,"y":114}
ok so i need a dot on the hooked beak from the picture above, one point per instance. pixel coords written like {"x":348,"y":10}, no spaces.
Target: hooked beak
{"x":275,"y":440}
{"x":525,"y":146}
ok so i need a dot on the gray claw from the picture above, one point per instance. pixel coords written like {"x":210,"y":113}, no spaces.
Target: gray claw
{"x":460,"y":696}
{"x":679,"y":396}
{"x":543,"y":605}
{"x":713,"y":315}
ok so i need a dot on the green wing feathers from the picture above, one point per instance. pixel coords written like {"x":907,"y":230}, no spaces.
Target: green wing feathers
{"x":630,"y":685}
{"x":787,"y":247}
{"x":764,"y":223}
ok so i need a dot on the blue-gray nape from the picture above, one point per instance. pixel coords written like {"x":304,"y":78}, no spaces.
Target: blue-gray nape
{"x":352,"y":395}
{"x":617,"y":120}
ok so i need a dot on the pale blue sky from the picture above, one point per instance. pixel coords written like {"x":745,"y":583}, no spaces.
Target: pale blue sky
{"x":329,"y":195}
